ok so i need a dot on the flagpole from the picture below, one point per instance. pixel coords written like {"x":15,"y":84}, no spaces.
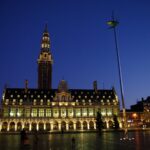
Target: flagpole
{"x":114,"y":23}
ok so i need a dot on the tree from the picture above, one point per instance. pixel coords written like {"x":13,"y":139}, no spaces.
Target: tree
{"x":116,"y":123}
{"x":99,"y":121}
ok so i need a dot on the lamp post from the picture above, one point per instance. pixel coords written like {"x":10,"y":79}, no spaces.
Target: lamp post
{"x":113,"y":23}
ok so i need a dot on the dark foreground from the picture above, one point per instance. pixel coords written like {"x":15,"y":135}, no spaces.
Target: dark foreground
{"x":81,"y":141}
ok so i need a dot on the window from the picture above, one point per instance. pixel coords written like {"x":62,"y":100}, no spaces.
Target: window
{"x":27,"y":112}
{"x":12,"y":112}
{"x":91,"y":112}
{"x":78,"y":112}
{"x":48,"y":112}
{"x":48,"y":102}
{"x":84,"y":112}
{"x":103,"y":112}
{"x":41,"y":102}
{"x":5,"y":112}
{"x":34,"y":112}
{"x":41,"y":112}
{"x":34,"y":102}
{"x":55,"y":113}
{"x":20,"y":112}
{"x":70,"y":112}
{"x":63,"y":112}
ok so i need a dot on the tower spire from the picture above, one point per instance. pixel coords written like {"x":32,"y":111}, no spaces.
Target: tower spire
{"x":45,"y":44}
{"x":45,"y":62}
{"x":46,"y":28}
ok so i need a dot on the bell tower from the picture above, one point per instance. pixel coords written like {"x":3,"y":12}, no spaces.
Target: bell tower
{"x":45,"y":62}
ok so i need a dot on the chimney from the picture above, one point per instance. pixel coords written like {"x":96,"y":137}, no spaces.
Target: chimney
{"x":26,"y":85}
{"x":95,"y":85}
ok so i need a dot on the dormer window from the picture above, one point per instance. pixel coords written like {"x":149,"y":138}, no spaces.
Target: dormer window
{"x":48,"y":102}
{"x":41,"y":102}
{"x":34,"y":103}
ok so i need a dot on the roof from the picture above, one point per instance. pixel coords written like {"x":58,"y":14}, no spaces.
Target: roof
{"x":76,"y":94}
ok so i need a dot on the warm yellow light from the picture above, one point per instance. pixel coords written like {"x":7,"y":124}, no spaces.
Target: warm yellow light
{"x":18,"y":114}
{"x":66,"y":103}
{"x":11,"y":114}
{"x":134,"y":115}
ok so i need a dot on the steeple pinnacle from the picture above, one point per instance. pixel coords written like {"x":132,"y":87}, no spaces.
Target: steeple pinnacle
{"x":45,"y":45}
{"x":46,"y":28}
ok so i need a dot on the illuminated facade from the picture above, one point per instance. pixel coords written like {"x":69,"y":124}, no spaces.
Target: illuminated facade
{"x":61,"y":109}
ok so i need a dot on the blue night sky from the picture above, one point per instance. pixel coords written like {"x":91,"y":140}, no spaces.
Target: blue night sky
{"x":81,"y":44}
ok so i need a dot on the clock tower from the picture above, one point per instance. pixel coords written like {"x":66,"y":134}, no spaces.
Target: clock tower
{"x":45,"y":62}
